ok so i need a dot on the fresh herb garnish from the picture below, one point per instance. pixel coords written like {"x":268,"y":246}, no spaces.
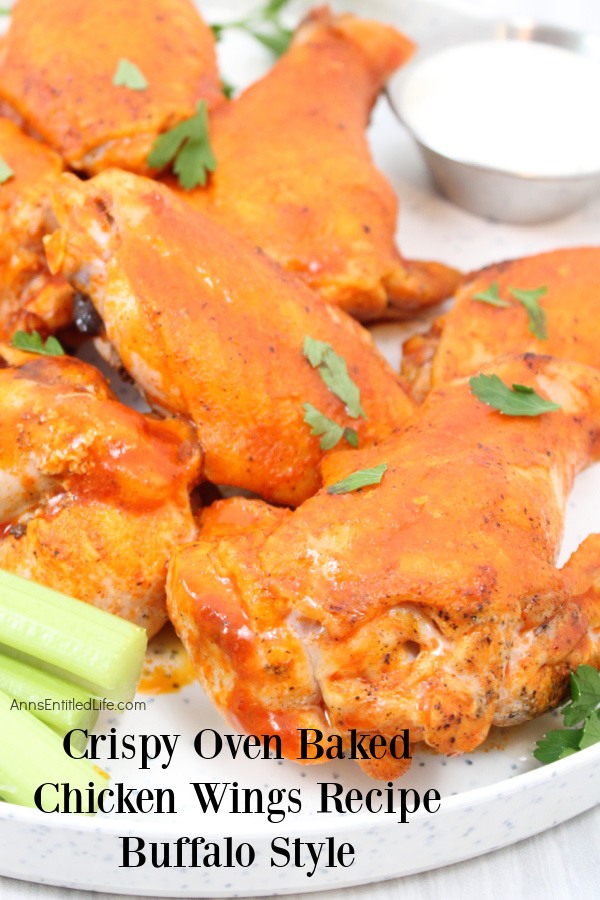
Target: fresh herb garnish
{"x":492,"y":297}
{"x":227,"y":88}
{"x":520,"y":400}
{"x":130,"y":76}
{"x":582,"y":710}
{"x":529,"y":299}
{"x":557,"y":744}
{"x":331,"y":433}
{"x":351,"y":436}
{"x":535,"y":314}
{"x":32,"y":343}
{"x":264,"y":25}
{"x":187,"y":146}
{"x":360,"y":479}
{"x":6,"y":173}
{"x":334,"y":372}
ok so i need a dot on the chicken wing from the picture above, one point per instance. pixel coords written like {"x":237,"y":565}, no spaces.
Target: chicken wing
{"x":410,"y":604}
{"x":30,"y":297}
{"x":94,"y":496}
{"x":59,"y":59}
{"x":211,"y":329}
{"x":475,"y":332}
{"x":295,"y":176}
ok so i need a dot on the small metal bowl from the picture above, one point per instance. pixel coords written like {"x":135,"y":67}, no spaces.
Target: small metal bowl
{"x":493,"y":193}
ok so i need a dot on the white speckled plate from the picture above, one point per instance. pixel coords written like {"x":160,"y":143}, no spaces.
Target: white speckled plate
{"x":489,"y":799}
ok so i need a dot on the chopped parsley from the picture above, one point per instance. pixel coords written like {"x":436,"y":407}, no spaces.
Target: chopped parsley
{"x":357,"y":480}
{"x":128,"y":75}
{"x":331,"y":433}
{"x":492,"y":297}
{"x":535,"y":314}
{"x":32,"y":343}
{"x":227,"y":88}
{"x":264,"y":25}
{"x":520,"y":400}
{"x":334,"y":372}
{"x":187,"y":146}
{"x":6,"y":173}
{"x":529,"y":299}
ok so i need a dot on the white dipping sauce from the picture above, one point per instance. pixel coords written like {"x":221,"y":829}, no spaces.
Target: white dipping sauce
{"x":513,"y":105}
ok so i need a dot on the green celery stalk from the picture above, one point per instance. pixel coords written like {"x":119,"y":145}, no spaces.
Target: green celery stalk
{"x":43,"y":693}
{"x":32,"y":754}
{"x":100,"y":652}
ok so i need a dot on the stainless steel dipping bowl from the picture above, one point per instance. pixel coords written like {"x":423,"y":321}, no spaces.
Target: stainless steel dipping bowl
{"x":501,"y":195}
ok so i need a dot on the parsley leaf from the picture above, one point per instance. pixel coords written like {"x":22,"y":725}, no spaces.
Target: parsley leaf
{"x":187,"y":146}
{"x":521,"y":400}
{"x":357,"y":480}
{"x":276,"y":39}
{"x":273,"y":7}
{"x":583,"y":707}
{"x":492,"y":296}
{"x":591,"y":730}
{"x":351,"y":436}
{"x":32,"y":343}
{"x":535,"y":314}
{"x":529,"y":299}
{"x":264,"y":25}
{"x":227,"y":88}
{"x":334,"y":372}
{"x":585,"y":695}
{"x":6,"y":173}
{"x":557,"y":744}
{"x":315,"y":351}
{"x":331,"y":432}
{"x":130,"y":76}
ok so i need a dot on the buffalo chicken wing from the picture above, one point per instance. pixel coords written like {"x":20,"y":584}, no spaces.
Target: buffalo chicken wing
{"x":564,"y":284}
{"x":30,"y":297}
{"x":94,"y":496}
{"x":295,"y":176}
{"x":211,"y":329}
{"x":430,"y":601}
{"x":58,"y":64}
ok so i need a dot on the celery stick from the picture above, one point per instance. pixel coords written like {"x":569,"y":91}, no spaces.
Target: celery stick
{"x":101,"y":652}
{"x":32,"y":754}
{"x":45,"y":696}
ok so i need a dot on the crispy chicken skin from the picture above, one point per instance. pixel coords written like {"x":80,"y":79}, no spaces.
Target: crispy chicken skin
{"x":210,"y":328}
{"x":582,"y":577}
{"x":410,"y":604}
{"x":30,"y":297}
{"x":93,"y":495}
{"x":59,"y":58}
{"x":295,"y":175}
{"x":474,"y":333}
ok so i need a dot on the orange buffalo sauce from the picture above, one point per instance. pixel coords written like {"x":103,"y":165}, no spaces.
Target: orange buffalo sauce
{"x":167,"y":667}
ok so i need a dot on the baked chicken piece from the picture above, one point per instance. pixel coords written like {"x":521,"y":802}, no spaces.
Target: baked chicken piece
{"x":430,"y":601}
{"x":94,"y":496}
{"x":211,"y":329}
{"x":57,"y":65}
{"x":582,"y":576}
{"x":295,"y":175}
{"x":30,"y":297}
{"x":475,"y":332}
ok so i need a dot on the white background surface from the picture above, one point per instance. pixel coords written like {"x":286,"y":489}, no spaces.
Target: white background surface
{"x":563,"y":862}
